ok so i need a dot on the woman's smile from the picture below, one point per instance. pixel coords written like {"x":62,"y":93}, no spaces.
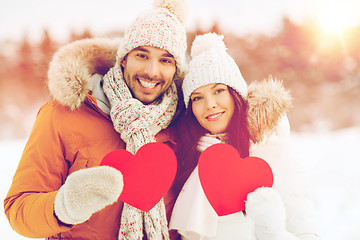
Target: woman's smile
{"x":215,"y":116}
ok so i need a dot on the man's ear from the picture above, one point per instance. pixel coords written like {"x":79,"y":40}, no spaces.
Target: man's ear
{"x":123,"y":61}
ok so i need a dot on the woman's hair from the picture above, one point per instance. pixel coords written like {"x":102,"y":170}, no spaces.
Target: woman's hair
{"x":189,"y":131}
{"x":238,"y":131}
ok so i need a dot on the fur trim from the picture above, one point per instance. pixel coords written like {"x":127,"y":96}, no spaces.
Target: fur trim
{"x":73,"y":65}
{"x":268,"y":101}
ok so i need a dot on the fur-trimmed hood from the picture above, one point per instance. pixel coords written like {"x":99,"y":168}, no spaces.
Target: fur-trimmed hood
{"x":268,"y":103}
{"x":73,"y":65}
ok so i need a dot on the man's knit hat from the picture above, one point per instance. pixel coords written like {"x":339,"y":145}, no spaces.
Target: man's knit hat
{"x":162,"y":27}
{"x":211,"y":63}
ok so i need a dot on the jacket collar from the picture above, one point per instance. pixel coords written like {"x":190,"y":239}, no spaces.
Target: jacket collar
{"x":96,"y":82}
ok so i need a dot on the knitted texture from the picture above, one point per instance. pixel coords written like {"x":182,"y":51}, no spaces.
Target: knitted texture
{"x":161,"y":27}
{"x":138,"y":124}
{"x":87,"y":191}
{"x":211,"y":63}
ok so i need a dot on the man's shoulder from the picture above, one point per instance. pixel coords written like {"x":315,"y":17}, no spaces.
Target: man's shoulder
{"x":56,"y":111}
{"x":53,"y":107}
{"x":74,"y":64}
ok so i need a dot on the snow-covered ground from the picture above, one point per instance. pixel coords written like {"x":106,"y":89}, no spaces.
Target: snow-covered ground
{"x":333,"y":160}
{"x":10,"y":155}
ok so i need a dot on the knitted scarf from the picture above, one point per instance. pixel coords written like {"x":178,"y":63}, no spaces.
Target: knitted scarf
{"x":138,"y":124}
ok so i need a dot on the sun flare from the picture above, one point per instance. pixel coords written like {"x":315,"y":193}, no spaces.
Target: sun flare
{"x":335,"y":19}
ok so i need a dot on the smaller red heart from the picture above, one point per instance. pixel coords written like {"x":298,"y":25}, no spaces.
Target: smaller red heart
{"x":147,"y":175}
{"x":227,"y":179}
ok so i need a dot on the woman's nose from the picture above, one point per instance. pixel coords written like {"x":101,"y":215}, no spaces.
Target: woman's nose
{"x":211,"y":103}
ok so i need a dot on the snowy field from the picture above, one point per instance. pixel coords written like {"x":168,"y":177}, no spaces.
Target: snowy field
{"x":333,"y":160}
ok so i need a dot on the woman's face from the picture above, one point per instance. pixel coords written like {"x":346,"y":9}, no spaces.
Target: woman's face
{"x":213,"y":107}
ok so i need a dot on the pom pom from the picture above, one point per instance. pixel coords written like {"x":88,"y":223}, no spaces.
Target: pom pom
{"x":177,"y":7}
{"x":206,"y":42}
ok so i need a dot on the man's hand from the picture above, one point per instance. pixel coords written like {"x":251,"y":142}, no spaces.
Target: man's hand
{"x":87,"y":191}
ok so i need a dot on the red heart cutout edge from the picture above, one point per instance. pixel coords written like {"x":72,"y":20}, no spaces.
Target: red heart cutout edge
{"x":147,"y":175}
{"x":227,"y":179}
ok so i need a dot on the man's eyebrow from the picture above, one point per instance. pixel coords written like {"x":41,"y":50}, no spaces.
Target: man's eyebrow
{"x":168,"y":55}
{"x":141,"y":49}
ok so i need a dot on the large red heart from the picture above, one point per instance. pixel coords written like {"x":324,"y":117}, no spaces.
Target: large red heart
{"x":147,"y":175}
{"x":227,"y":179}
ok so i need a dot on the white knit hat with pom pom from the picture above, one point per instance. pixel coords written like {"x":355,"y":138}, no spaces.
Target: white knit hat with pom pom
{"x":161,"y":27}
{"x":211,"y":63}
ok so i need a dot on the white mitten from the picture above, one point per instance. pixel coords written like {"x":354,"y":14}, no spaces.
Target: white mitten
{"x":87,"y":191}
{"x":266,"y":208}
{"x":206,"y":141}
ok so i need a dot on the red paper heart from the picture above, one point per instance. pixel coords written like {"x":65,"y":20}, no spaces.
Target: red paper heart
{"x":227,"y":179}
{"x":147,"y":175}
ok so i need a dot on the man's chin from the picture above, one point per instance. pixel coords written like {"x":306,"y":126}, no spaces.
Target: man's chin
{"x":147,"y":99}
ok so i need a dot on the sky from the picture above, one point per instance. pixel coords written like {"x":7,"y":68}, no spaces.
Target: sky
{"x":18,"y":17}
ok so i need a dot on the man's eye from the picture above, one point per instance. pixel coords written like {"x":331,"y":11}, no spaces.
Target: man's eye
{"x":166,"y":61}
{"x":141,"y":55}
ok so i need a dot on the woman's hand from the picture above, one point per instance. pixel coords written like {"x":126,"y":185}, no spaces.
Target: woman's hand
{"x":206,"y":141}
{"x":266,"y":208}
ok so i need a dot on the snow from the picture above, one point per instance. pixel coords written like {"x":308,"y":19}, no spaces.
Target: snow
{"x":333,"y":161}
{"x":11,"y":151}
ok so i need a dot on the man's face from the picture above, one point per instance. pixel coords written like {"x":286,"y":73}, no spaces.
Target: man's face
{"x":148,"y":72}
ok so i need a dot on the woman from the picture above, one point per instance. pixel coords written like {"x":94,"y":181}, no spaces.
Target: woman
{"x":220,"y":109}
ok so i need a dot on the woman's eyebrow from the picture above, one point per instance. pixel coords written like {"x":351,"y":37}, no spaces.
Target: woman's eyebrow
{"x":215,"y":85}
{"x":195,"y":93}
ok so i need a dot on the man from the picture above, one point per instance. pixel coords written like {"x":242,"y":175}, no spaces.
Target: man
{"x":59,"y":191}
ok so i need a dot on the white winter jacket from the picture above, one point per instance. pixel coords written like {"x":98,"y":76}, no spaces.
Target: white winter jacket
{"x":270,"y":141}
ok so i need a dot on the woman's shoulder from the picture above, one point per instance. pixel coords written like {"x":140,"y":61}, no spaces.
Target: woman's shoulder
{"x":269,"y":103}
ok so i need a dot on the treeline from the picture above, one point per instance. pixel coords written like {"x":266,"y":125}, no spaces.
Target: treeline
{"x":322,"y":71}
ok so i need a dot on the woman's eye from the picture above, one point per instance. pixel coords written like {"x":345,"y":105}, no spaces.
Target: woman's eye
{"x":219,"y":91}
{"x":196,"y":99}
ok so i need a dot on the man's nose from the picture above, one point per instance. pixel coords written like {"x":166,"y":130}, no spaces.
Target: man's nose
{"x":152,"y":69}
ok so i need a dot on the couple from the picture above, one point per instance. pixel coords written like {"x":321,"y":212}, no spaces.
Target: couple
{"x":102,"y":103}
